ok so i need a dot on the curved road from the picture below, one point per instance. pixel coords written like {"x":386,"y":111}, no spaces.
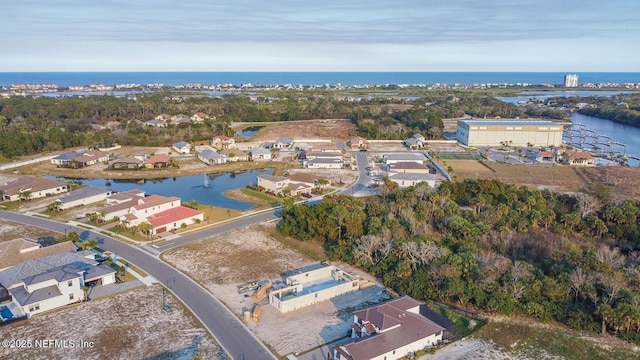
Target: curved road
{"x":237,"y":341}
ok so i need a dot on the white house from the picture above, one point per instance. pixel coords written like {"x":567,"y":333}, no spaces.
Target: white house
{"x":65,"y":159}
{"x":407,"y":167}
{"x":135,"y":209}
{"x":395,"y":158}
{"x":260,"y":153}
{"x":83,"y":196}
{"x":182,"y":147}
{"x":49,"y":282}
{"x":311,"y":287}
{"x":321,"y":163}
{"x":411,"y":179}
{"x":174,"y":218}
{"x":32,"y":188}
{"x":417,"y":141}
{"x":390,"y":331}
{"x":180,"y":119}
{"x":211,"y":157}
{"x":283,"y":143}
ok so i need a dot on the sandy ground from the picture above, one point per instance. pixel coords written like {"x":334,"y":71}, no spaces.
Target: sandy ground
{"x":621,"y":180}
{"x":130,"y":325}
{"x":250,"y":254}
{"x":10,"y":230}
{"x":334,"y":129}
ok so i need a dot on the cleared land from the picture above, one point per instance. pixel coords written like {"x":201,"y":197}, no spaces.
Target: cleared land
{"x":130,"y":325}
{"x":236,"y":257}
{"x":622,"y":180}
{"x":334,"y":129}
{"x":10,"y":230}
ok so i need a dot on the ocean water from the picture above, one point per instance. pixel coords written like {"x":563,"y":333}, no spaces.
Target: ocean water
{"x":308,"y":78}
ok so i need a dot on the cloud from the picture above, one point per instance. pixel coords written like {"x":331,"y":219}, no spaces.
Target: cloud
{"x":403,"y":21}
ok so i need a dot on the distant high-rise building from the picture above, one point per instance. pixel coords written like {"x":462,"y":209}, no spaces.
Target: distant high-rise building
{"x":571,"y":80}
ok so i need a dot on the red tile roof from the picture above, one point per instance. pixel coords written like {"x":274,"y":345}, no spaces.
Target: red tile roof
{"x":172,"y":215}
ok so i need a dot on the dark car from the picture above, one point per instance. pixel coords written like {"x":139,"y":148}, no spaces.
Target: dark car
{"x":102,"y":259}
{"x":308,"y":196}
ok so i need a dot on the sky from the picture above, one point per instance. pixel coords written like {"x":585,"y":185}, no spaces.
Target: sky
{"x":327,"y":35}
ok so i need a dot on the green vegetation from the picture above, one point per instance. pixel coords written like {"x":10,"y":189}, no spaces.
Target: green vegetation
{"x":487,"y":245}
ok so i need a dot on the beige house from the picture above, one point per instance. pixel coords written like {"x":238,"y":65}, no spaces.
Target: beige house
{"x":223,"y":142}
{"x":275,"y":184}
{"x":31,"y":188}
{"x":359,"y":142}
{"x":577,"y":158}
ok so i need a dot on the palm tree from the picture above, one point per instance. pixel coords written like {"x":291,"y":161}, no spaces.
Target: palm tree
{"x":145,"y":228}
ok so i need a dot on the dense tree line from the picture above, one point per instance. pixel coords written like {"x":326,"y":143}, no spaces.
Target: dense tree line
{"x":622,"y":108}
{"x":32,"y":125}
{"x":492,"y":246}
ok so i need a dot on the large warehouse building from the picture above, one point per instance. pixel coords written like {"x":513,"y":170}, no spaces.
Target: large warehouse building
{"x":514,"y":132}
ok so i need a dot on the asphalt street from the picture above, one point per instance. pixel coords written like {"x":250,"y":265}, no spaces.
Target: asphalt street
{"x":237,"y":341}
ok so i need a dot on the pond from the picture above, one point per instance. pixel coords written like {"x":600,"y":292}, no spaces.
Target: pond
{"x":249,"y":132}
{"x":207,"y":189}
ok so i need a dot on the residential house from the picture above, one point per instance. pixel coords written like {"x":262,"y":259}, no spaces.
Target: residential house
{"x":325,"y":148}
{"x":182,"y":147}
{"x":323,"y":163}
{"x":136,"y":207}
{"x":31,"y":188}
{"x":158,"y":161}
{"x":180,"y":119}
{"x":83,"y":196}
{"x":395,"y":158}
{"x":234,"y":155}
{"x":199,"y":117}
{"x":174,"y":218}
{"x":295,"y":189}
{"x":410,"y":179}
{"x":90,"y":158}
{"x":156,"y":123}
{"x":546,"y":156}
{"x":395,"y":329}
{"x":15,"y":251}
{"x":127,"y":163}
{"x":223,"y":142}
{"x":309,"y":179}
{"x":211,"y":157}
{"x":416,"y":142}
{"x":163,"y":117}
{"x":282,"y":143}
{"x":359,"y":142}
{"x":578,"y":158}
{"x":147,"y":206}
{"x":323,"y":155}
{"x":260,"y":153}
{"x":65,"y":159}
{"x":275,"y":184}
{"x":53,"y":281}
{"x":407,"y":167}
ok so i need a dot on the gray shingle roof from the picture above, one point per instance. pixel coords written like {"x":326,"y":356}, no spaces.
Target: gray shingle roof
{"x":34,"y":267}
{"x":23,"y":297}
{"x":82,"y":193}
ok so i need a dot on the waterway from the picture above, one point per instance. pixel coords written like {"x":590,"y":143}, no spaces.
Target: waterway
{"x":617,"y":132}
{"x":207,"y":189}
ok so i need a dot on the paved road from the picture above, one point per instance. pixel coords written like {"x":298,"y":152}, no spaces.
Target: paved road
{"x":235,"y":224}
{"x":230,"y":333}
